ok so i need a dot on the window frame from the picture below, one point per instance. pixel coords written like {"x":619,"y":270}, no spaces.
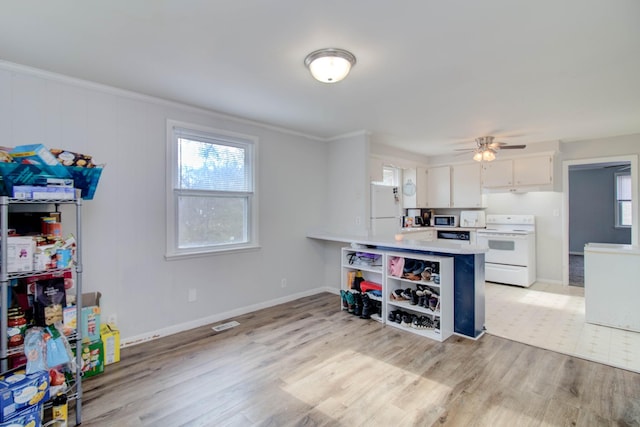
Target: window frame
{"x":618,"y":201}
{"x":173,"y":192}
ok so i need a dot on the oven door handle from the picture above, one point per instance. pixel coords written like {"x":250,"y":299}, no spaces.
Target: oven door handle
{"x":502,"y":236}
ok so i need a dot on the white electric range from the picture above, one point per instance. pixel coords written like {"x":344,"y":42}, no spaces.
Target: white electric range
{"x":511,"y":240}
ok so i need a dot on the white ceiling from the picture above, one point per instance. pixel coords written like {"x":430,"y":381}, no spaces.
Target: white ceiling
{"x":430,"y":75}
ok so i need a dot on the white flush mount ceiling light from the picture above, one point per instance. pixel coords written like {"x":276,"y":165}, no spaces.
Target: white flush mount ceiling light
{"x":330,"y":65}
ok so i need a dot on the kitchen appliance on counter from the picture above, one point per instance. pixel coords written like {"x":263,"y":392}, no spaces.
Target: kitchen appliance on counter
{"x":511,"y":240}
{"x":459,"y":236}
{"x":385,"y":210}
{"x":444,"y":221}
{"x":472,"y":219}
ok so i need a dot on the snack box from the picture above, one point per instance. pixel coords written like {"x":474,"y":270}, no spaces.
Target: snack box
{"x":20,"y":252}
{"x":39,"y":155}
{"x":92,"y":358}
{"x":28,"y":417}
{"x":111,"y":341}
{"x":34,"y":192}
{"x":19,"y":390}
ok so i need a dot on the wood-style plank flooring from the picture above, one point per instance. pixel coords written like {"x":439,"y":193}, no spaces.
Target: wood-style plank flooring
{"x":306,"y":363}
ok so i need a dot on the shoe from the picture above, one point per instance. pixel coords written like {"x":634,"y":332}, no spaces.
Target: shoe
{"x":415,"y":322}
{"x":391,"y":317}
{"x":348,"y":296}
{"x":434,"y":302}
{"x":414,"y":298}
{"x":398,"y":318}
{"x":406,"y":320}
{"x":357,"y":307}
{"x":343,"y":297}
{"x":406,"y":294}
{"x":366,"y":307}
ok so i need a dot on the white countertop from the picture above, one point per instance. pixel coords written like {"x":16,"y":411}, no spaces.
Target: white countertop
{"x":405,"y":243}
{"x":427,"y":228}
{"x":612,"y":248}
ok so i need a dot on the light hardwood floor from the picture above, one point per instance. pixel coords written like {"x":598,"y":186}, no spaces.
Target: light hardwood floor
{"x":306,"y":363}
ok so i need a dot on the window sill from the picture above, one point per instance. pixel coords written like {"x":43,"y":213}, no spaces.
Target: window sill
{"x":210,"y":252}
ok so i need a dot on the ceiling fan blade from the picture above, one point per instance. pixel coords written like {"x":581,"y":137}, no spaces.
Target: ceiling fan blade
{"x":465,"y":149}
{"x":512,"y":147}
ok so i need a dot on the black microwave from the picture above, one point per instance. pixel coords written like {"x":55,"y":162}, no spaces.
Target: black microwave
{"x":444,"y":221}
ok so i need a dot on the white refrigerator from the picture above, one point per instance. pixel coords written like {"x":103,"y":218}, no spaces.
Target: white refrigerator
{"x":385,"y":210}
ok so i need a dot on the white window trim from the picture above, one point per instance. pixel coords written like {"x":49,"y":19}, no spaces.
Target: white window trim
{"x":172,"y":252}
{"x":617,"y":223}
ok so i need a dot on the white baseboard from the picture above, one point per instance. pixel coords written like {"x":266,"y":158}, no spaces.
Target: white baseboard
{"x":152,"y":335}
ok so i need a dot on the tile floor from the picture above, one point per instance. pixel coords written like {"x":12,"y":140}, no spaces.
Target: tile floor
{"x":552,"y":317}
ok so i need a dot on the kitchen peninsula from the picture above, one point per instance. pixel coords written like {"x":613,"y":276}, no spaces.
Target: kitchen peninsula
{"x":468,"y":266}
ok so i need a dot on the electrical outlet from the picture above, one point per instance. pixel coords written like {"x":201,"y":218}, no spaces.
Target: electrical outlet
{"x":283,"y":283}
{"x":357,"y":220}
{"x":192,"y":296}
{"x":112,"y":319}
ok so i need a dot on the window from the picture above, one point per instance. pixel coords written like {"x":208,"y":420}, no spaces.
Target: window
{"x":211,"y":203}
{"x":623,"y":200}
{"x":390,"y":175}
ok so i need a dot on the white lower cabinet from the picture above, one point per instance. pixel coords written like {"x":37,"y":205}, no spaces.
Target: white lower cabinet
{"x":416,"y":290}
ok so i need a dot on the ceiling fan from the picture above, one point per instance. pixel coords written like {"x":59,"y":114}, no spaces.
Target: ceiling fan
{"x":487,"y":148}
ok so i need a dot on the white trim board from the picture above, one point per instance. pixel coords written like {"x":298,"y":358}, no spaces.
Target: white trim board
{"x":152,"y":335}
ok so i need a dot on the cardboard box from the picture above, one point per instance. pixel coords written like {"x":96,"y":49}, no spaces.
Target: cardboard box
{"x":90,"y":318}
{"x":19,"y":391}
{"x":25,"y":418}
{"x":20,"y":252}
{"x":31,"y":192}
{"x":39,"y":155}
{"x":111,"y":341}
{"x":92,"y":358}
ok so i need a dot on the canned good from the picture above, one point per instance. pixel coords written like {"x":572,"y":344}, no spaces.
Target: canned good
{"x":16,"y":327}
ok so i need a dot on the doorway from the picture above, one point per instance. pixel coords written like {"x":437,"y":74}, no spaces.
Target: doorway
{"x":591,"y":208}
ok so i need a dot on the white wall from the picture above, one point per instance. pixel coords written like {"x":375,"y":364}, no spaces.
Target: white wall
{"x":547,"y":208}
{"x":348,"y":185}
{"x":124,"y":241}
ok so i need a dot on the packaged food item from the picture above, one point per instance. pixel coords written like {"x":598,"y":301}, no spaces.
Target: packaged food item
{"x":69,"y":158}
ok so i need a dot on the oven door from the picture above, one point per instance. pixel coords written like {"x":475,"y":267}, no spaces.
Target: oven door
{"x":505,"y":248}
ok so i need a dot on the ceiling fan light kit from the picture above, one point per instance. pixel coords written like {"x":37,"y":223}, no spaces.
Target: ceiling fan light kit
{"x":330,"y":65}
{"x":487,"y":148}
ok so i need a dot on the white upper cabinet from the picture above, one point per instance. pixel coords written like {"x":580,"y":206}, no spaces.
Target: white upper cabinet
{"x":439,"y":187}
{"x":519,"y":174}
{"x":409,"y":188}
{"x":498,"y":173}
{"x":466,"y":186}
{"x":422,"y":189}
{"x":533,"y":171}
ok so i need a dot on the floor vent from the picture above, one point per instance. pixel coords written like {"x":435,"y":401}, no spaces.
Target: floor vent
{"x":225,"y":326}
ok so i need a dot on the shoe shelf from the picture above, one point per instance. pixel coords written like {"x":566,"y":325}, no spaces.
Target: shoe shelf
{"x":369,"y":264}
{"x":406,"y":305}
{"x":414,"y":299}
{"x":427,"y":276}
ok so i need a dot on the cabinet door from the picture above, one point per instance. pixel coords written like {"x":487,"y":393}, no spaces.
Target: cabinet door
{"x":439,"y":187}
{"x":466,"y":186}
{"x":498,"y":173}
{"x":409,"y":189}
{"x":421,"y":188}
{"x":533,"y":171}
